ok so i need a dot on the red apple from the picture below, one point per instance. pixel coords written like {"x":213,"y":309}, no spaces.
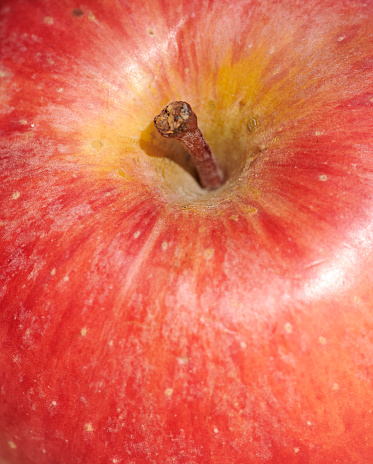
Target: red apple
{"x":144,"y":319}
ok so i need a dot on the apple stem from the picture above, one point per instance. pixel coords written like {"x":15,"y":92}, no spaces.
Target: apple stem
{"x":177,"y":120}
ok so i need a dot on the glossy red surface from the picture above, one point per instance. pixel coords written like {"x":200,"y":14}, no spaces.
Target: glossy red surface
{"x":144,"y":320}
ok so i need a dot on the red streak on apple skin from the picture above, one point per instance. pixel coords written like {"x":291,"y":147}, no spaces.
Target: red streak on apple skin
{"x":144,"y":320}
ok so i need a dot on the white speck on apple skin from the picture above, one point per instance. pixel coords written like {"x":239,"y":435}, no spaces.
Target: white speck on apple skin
{"x":48,"y":20}
{"x":84,"y":331}
{"x":335,"y":386}
{"x":216,"y":430}
{"x":168,"y":392}
{"x":53,"y":271}
{"x":66,"y":279}
{"x":164,"y":246}
{"x":296,"y":450}
{"x":16,"y":195}
{"x":323,"y":177}
{"x":136,"y":234}
{"x":243,"y":345}
{"x":208,"y":253}
{"x":288,"y":328}
{"x":322,"y":340}
{"x":88,"y":427}
{"x":12,"y":445}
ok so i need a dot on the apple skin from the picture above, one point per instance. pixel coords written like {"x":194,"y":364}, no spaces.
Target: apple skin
{"x":144,"y":320}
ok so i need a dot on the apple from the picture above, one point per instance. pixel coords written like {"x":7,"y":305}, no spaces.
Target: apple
{"x":146,"y":319}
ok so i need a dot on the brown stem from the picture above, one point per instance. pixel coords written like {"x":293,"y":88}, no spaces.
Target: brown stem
{"x":177,"y":120}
